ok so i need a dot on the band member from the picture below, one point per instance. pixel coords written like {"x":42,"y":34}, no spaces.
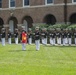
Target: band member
{"x":16,"y":36}
{"x":58,"y":35}
{"x":9,"y":36}
{"x":44,"y":36}
{"x":3,"y":35}
{"x":69,"y":37}
{"x":30,"y":36}
{"x":64,"y":37}
{"x":23,"y":38}
{"x":74,"y":35}
{"x":37,"y":38}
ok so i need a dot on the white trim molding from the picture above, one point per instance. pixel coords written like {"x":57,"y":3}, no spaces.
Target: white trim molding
{"x":0,"y":8}
{"x":7,"y":25}
{"x":19,"y":25}
{"x":29,"y":7}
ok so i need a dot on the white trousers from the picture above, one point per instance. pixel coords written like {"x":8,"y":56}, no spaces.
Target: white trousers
{"x":75,"y":41}
{"x":65,"y":41}
{"x":37,"y":42}
{"x":16,"y":40}
{"x":51,"y":41}
{"x":59,"y":41}
{"x":23,"y":46}
{"x":54,"y":41}
{"x":44,"y":41}
{"x":9,"y":40}
{"x":69,"y":41}
{"x":3,"y":41}
{"x":30,"y":40}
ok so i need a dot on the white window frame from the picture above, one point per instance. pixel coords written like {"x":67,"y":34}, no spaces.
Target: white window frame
{"x":26,"y":5}
{"x":10,"y":6}
{"x":73,"y":2}
{"x":48,"y":3}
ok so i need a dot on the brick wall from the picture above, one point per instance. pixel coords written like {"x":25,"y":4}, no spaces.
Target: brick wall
{"x":5,"y":3}
{"x":37,"y":13}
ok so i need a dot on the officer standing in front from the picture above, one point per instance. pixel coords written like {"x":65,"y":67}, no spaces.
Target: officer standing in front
{"x":37,"y":38}
{"x":16,"y":36}
{"x":3,"y":35}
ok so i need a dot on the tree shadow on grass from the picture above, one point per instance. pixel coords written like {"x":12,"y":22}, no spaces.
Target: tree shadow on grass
{"x":30,"y":50}
{"x":59,"y":46}
{"x":20,"y":50}
{"x":15,"y":50}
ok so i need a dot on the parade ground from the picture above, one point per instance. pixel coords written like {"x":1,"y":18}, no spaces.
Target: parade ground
{"x":49,"y":60}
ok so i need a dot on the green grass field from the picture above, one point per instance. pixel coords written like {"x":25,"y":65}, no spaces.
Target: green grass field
{"x":50,"y":60}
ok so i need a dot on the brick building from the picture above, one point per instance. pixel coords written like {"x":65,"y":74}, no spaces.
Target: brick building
{"x":17,"y":13}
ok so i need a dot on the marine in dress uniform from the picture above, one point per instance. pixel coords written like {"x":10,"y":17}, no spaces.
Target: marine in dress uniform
{"x":37,"y":38}
{"x":64,"y":37}
{"x":54,"y":37}
{"x":9,"y":36}
{"x":23,"y":38}
{"x":16,"y":36}
{"x":74,"y":35}
{"x":44,"y":36}
{"x":58,"y":35}
{"x":3,"y":35}
{"x":30,"y":36}
{"x":69,"y":35}
{"x":50,"y":37}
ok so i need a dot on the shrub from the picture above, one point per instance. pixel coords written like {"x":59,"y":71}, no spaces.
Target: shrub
{"x":72,"y":26}
{"x":41,"y":26}
{"x":62,"y":26}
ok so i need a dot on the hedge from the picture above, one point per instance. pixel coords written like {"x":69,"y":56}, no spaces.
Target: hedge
{"x":48,"y":27}
{"x":72,"y":26}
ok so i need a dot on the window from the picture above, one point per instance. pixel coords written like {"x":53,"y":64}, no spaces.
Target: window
{"x":11,"y":3}
{"x":74,"y":0}
{"x":49,"y":1}
{"x":0,"y":3}
{"x":25,"y":2}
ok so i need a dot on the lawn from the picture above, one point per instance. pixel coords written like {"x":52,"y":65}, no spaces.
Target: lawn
{"x":50,"y":60}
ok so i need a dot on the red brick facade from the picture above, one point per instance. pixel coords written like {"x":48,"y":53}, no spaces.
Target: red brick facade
{"x":37,"y":12}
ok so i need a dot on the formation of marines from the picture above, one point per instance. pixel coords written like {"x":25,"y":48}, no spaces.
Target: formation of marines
{"x":55,"y":36}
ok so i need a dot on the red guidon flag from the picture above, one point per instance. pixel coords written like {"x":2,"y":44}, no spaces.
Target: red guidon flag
{"x":24,"y":37}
